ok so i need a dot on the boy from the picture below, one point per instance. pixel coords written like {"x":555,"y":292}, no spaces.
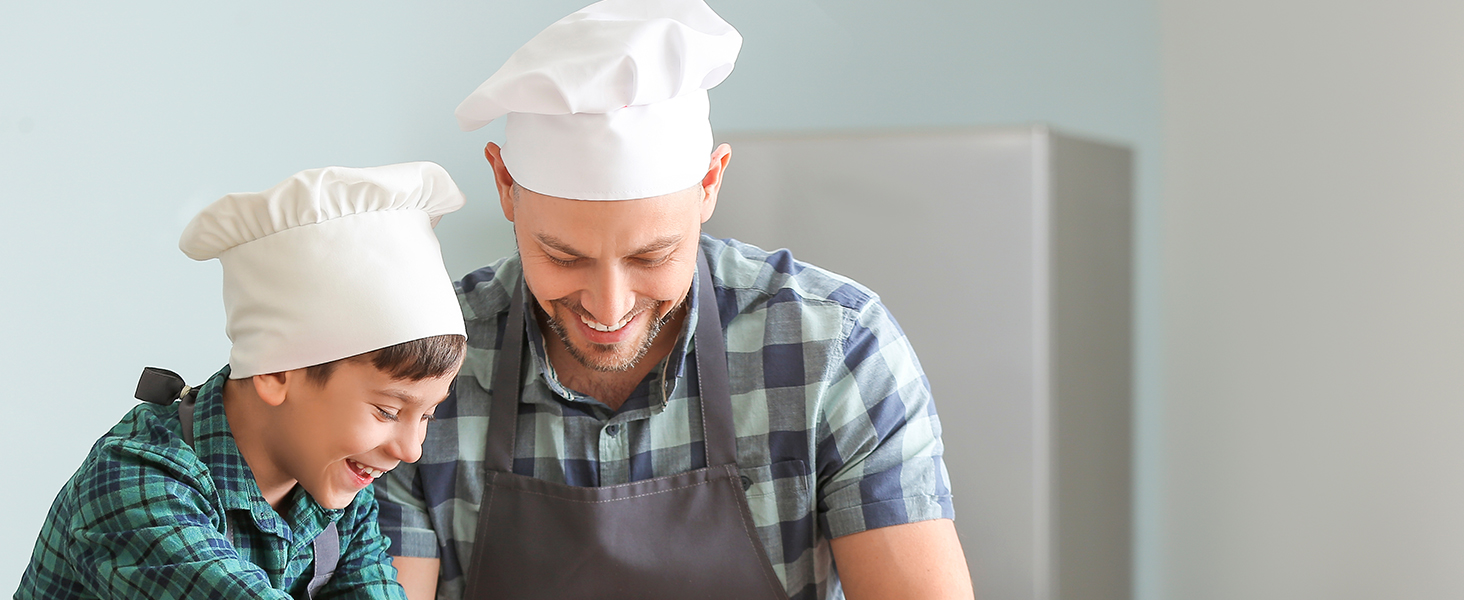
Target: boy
{"x":346,"y":334}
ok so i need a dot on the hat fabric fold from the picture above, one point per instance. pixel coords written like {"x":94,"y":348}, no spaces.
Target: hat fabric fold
{"x":609,"y":103}
{"x":330,"y":263}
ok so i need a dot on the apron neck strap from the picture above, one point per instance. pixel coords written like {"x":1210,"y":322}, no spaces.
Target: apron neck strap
{"x":503,"y":407}
{"x":711,"y":372}
{"x":711,"y":366}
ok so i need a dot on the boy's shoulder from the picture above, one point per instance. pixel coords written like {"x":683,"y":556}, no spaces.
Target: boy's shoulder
{"x":144,"y":448}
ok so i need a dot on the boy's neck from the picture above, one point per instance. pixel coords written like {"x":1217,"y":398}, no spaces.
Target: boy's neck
{"x":250,"y":425}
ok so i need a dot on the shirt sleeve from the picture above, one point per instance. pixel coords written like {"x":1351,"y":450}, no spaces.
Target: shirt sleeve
{"x":879,"y":457}
{"x":144,"y":528}
{"x":404,"y":520}
{"x":364,"y":570}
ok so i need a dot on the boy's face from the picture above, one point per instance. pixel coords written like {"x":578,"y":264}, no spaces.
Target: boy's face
{"x":336,"y":438}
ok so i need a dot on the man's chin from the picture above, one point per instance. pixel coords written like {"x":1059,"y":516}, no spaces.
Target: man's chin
{"x":605,"y":358}
{"x":609,"y":358}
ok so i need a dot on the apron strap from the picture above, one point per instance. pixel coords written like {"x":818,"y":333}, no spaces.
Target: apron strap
{"x":503,"y":407}
{"x":327,"y":556}
{"x":185,"y":422}
{"x":711,"y":372}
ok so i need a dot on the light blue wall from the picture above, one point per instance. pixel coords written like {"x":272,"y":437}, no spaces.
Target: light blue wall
{"x":118,"y":121}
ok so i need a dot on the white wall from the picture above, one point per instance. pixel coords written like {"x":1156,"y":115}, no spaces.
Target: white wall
{"x":1313,"y":279}
{"x":118,"y":121}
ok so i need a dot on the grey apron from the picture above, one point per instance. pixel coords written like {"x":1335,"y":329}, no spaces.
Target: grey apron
{"x":681,"y":536}
{"x":161,"y":386}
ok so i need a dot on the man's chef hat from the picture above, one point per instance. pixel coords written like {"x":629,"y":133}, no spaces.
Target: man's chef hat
{"x":330,"y":263}
{"x":610,"y":103}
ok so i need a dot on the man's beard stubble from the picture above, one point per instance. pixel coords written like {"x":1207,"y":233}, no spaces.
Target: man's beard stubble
{"x":654,"y":331}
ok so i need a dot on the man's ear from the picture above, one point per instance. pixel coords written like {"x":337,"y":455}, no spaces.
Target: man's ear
{"x":271,"y":387}
{"x":501,"y":178}
{"x":712,"y":182}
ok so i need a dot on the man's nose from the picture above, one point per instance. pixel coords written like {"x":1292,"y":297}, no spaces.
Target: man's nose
{"x":611,"y":298}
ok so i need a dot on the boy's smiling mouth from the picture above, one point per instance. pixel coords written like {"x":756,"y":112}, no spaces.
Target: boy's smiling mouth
{"x":365,"y":472}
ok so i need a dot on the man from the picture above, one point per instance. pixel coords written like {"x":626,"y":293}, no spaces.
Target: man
{"x":646,"y":412}
{"x":346,"y":334}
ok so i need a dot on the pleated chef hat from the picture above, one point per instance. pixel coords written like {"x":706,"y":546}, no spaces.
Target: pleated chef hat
{"x":330,"y":263}
{"x":610,"y":103}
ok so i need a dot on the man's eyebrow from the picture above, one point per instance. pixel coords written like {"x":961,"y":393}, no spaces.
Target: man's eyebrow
{"x":557,"y":244}
{"x":655,"y":245}
{"x":658,"y":244}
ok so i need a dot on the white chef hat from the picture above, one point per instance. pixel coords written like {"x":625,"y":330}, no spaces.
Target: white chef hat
{"x":610,"y":103}
{"x":330,"y":263}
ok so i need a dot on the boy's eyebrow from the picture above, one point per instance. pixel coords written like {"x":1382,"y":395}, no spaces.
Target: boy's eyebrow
{"x":413,"y":400}
{"x":403,"y":396}
{"x":661,"y":243}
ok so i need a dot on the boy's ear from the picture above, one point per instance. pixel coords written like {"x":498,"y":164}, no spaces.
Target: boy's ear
{"x":271,"y":387}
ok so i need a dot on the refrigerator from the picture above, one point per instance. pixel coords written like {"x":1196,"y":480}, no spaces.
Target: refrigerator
{"x":1005,"y":254}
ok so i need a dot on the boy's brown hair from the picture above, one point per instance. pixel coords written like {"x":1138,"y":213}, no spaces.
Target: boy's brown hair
{"x":425,"y":358}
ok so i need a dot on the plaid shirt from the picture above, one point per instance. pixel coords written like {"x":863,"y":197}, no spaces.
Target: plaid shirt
{"x":144,"y":517}
{"x":836,"y":430}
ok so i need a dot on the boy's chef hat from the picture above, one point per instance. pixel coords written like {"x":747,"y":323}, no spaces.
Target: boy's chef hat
{"x":330,"y":263}
{"x":610,"y":103}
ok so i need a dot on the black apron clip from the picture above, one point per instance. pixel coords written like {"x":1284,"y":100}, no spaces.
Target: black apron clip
{"x":160,"y":386}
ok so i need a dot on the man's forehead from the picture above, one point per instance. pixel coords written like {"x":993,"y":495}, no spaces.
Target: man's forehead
{"x":647,"y":246}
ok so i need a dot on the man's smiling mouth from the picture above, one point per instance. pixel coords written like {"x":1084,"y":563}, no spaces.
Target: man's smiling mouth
{"x":597,"y":326}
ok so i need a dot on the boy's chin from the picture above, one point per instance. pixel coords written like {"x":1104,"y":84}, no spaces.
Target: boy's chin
{"x":332,"y":499}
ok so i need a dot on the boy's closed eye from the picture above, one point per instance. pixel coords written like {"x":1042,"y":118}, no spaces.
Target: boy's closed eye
{"x":395,"y":415}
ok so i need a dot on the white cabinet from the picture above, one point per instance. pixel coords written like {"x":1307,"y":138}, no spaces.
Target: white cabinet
{"x":1005,"y":255}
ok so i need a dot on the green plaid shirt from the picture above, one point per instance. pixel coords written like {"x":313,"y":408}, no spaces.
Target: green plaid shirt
{"x":836,"y":429}
{"x":144,"y":517}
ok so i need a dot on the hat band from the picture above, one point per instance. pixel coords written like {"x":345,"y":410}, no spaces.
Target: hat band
{"x":331,"y":290}
{"x":634,"y":152}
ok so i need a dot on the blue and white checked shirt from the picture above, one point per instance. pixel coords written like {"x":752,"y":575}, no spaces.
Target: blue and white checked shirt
{"x":836,"y":429}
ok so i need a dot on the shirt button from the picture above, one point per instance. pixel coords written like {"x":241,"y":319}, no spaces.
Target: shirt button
{"x":612,"y":430}
{"x":746,"y":483}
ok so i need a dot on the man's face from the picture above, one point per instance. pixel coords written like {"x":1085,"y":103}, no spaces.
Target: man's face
{"x":335,"y":439}
{"x":609,"y":274}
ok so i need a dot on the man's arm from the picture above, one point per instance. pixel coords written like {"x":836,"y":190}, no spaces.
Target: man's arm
{"x":418,"y":576}
{"x":883,"y":488}
{"x":914,"y":560}
{"x":404,"y":521}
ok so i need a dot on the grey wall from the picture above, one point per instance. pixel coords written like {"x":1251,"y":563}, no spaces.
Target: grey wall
{"x":118,"y":121}
{"x":1314,"y":329}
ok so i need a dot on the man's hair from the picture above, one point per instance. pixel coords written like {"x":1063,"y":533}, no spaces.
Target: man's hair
{"x":426,"y":358}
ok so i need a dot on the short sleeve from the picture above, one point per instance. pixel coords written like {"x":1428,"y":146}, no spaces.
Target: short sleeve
{"x":403,"y":513}
{"x":879,"y":457}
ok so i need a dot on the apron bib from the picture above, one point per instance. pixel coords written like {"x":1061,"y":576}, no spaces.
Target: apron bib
{"x":682,"y":536}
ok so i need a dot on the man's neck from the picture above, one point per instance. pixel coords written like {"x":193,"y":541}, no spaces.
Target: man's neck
{"x":612,"y":388}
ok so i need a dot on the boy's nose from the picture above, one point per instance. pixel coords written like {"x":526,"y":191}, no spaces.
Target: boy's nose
{"x":407,"y":445}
